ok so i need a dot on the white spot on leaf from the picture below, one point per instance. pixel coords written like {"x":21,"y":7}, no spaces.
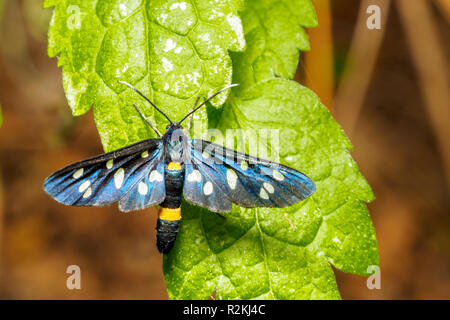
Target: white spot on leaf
{"x":170,"y":45}
{"x":162,"y":18}
{"x":204,"y":37}
{"x":123,"y":10}
{"x":236,"y":26}
{"x":181,"y":5}
{"x":167,"y":65}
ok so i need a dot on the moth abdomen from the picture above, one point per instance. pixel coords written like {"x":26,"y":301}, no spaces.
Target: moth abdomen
{"x":166,"y":235}
{"x":169,"y":211}
{"x":174,"y":179}
{"x":167,"y":228}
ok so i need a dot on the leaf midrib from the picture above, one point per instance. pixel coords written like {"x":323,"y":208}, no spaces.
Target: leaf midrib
{"x":266,"y":266}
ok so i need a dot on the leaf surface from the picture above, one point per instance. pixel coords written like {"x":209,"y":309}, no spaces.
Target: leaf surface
{"x":278,"y":253}
{"x":173,"y":51}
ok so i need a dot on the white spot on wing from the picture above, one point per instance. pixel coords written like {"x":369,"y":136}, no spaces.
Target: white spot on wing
{"x":78,"y":173}
{"x":142,"y":188}
{"x":263,"y":194}
{"x":231,"y":178}
{"x":110,"y":164}
{"x":144,"y":154}
{"x":208,"y":188}
{"x":244,"y":165}
{"x":155,"y":176}
{"x":277,"y":175}
{"x":268,"y":187}
{"x":205,"y":155}
{"x":84,"y":186}
{"x":87,"y":193}
{"x":118,"y":177}
{"x":194,"y":176}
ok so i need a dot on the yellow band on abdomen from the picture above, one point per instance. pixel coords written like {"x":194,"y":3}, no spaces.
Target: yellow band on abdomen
{"x":169,"y":214}
{"x":174,"y":166}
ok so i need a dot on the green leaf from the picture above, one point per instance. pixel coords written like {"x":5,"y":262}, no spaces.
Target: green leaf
{"x":259,"y":253}
{"x":281,"y":253}
{"x":278,"y":253}
{"x":274,"y":34}
{"x":174,"y":51}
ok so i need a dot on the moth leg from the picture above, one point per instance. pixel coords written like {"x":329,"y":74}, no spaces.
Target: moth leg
{"x":148,"y":121}
{"x":192,"y":115}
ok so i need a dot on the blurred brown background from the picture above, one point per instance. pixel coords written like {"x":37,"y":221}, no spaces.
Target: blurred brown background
{"x":388,"y":88}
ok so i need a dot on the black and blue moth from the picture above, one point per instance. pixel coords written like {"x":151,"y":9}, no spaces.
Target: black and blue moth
{"x":159,"y":171}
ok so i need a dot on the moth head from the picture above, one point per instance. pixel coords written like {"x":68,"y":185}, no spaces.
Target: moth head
{"x":173,"y":126}
{"x":177,"y":125}
{"x":176,"y":141}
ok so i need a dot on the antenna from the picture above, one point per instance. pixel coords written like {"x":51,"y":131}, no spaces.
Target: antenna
{"x":142,"y":95}
{"x":209,"y":99}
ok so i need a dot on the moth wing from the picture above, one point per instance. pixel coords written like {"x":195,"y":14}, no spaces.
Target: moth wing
{"x":242,"y":179}
{"x":203,"y":186}
{"x":105,"y":179}
{"x":149,"y":190}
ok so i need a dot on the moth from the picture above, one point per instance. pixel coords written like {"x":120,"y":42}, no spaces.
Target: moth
{"x":159,"y":171}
